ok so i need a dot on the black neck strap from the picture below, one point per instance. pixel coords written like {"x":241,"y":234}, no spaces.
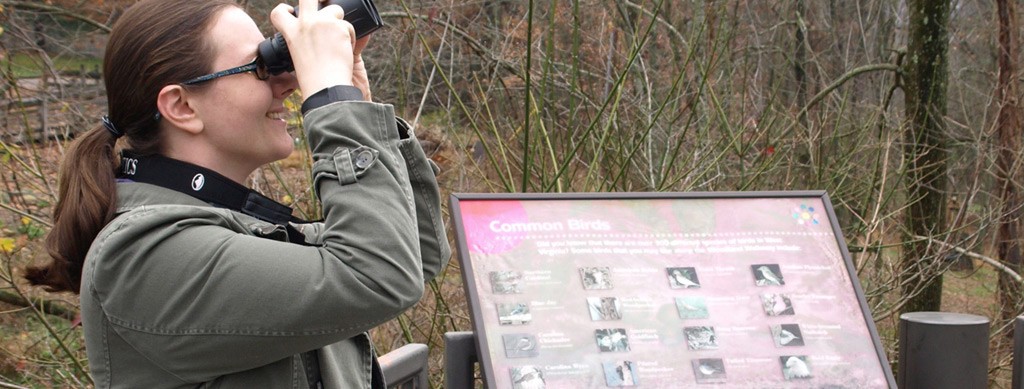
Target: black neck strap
{"x":204,"y":184}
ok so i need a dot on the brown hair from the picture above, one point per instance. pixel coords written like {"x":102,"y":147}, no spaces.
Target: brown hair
{"x":153,"y":44}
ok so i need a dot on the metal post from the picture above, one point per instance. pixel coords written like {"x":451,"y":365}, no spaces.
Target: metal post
{"x":1018,"y":353}
{"x":406,"y":367}
{"x":459,"y":358}
{"x":940,"y":350}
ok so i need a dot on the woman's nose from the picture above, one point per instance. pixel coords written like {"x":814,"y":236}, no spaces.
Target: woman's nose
{"x":284,"y":84}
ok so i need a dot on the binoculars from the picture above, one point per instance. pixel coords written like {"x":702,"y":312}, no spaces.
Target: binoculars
{"x":274,"y":54}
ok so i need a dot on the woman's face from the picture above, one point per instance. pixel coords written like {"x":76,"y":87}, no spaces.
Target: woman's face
{"x":243,"y":117}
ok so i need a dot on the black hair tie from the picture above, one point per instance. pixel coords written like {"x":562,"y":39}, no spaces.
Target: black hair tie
{"x":111,"y":127}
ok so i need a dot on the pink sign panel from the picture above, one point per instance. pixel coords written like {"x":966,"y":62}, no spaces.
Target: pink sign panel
{"x":739,"y":290}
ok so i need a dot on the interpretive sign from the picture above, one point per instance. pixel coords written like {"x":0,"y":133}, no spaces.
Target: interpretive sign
{"x":665,"y":290}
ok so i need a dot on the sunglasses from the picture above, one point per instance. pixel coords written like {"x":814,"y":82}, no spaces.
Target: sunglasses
{"x":257,"y":67}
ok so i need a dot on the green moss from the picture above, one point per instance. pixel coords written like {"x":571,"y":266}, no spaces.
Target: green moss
{"x":26,"y":65}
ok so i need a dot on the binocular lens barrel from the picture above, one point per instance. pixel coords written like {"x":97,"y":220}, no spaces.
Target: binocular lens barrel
{"x":362,"y":14}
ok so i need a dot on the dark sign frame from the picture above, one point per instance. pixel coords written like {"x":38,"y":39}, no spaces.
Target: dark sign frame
{"x":480,"y":323}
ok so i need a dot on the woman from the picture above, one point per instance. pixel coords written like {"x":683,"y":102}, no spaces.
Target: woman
{"x":189,"y":279}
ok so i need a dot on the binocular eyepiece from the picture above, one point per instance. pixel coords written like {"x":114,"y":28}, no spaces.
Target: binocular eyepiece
{"x":362,"y":14}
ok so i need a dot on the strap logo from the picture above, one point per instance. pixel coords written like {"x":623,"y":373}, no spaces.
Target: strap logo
{"x":198,"y":181}
{"x":128,"y":166}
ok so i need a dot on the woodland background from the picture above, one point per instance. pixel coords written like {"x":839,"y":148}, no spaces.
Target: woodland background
{"x":907,"y":112}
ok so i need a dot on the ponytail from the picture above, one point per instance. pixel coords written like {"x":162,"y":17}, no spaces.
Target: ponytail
{"x":86,"y":203}
{"x":154,"y":43}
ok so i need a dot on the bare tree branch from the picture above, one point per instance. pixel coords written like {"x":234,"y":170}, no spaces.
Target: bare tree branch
{"x":991,"y":261}
{"x":39,"y":6}
{"x":47,"y":307}
{"x":843,"y":79}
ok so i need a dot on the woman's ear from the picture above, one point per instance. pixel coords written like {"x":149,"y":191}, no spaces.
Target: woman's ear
{"x":175,"y":108}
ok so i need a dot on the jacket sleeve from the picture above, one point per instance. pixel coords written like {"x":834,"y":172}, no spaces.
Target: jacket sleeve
{"x":200,"y":299}
{"x":434,"y":248}
{"x":423,"y":172}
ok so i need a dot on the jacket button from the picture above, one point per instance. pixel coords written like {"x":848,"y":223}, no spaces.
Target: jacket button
{"x":364,"y":159}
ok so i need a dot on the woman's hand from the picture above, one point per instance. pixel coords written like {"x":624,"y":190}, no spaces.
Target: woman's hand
{"x":359,"y":77}
{"x":323,"y":46}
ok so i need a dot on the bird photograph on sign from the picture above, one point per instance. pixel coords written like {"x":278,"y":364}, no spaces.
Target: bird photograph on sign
{"x":611,"y":339}
{"x":692,"y":307}
{"x":620,"y":373}
{"x":709,"y":370}
{"x":767,"y":275}
{"x":701,"y":338}
{"x":787,"y":335}
{"x":596,"y":278}
{"x":527,"y":377}
{"x":682,"y":278}
{"x":506,"y":282}
{"x":795,"y":367}
{"x":604,"y":308}
{"x":777,"y":304}
{"x":514,"y":314}
{"x":520,"y":345}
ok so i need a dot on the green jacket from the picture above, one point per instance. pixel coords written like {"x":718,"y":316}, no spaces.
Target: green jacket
{"x":176,"y":293}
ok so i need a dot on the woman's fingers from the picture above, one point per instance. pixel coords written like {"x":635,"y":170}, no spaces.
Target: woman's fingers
{"x":308,"y":7}
{"x":360,"y":43}
{"x":281,"y":15}
{"x":334,"y":10}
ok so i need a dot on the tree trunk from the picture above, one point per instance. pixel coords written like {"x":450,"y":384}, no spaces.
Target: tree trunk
{"x":925,"y":152}
{"x":1008,"y":127}
{"x":799,"y":60}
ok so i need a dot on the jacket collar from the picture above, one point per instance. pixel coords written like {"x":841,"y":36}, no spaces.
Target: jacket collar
{"x":131,"y":195}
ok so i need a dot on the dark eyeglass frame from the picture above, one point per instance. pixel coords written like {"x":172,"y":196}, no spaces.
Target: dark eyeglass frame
{"x":257,"y":68}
